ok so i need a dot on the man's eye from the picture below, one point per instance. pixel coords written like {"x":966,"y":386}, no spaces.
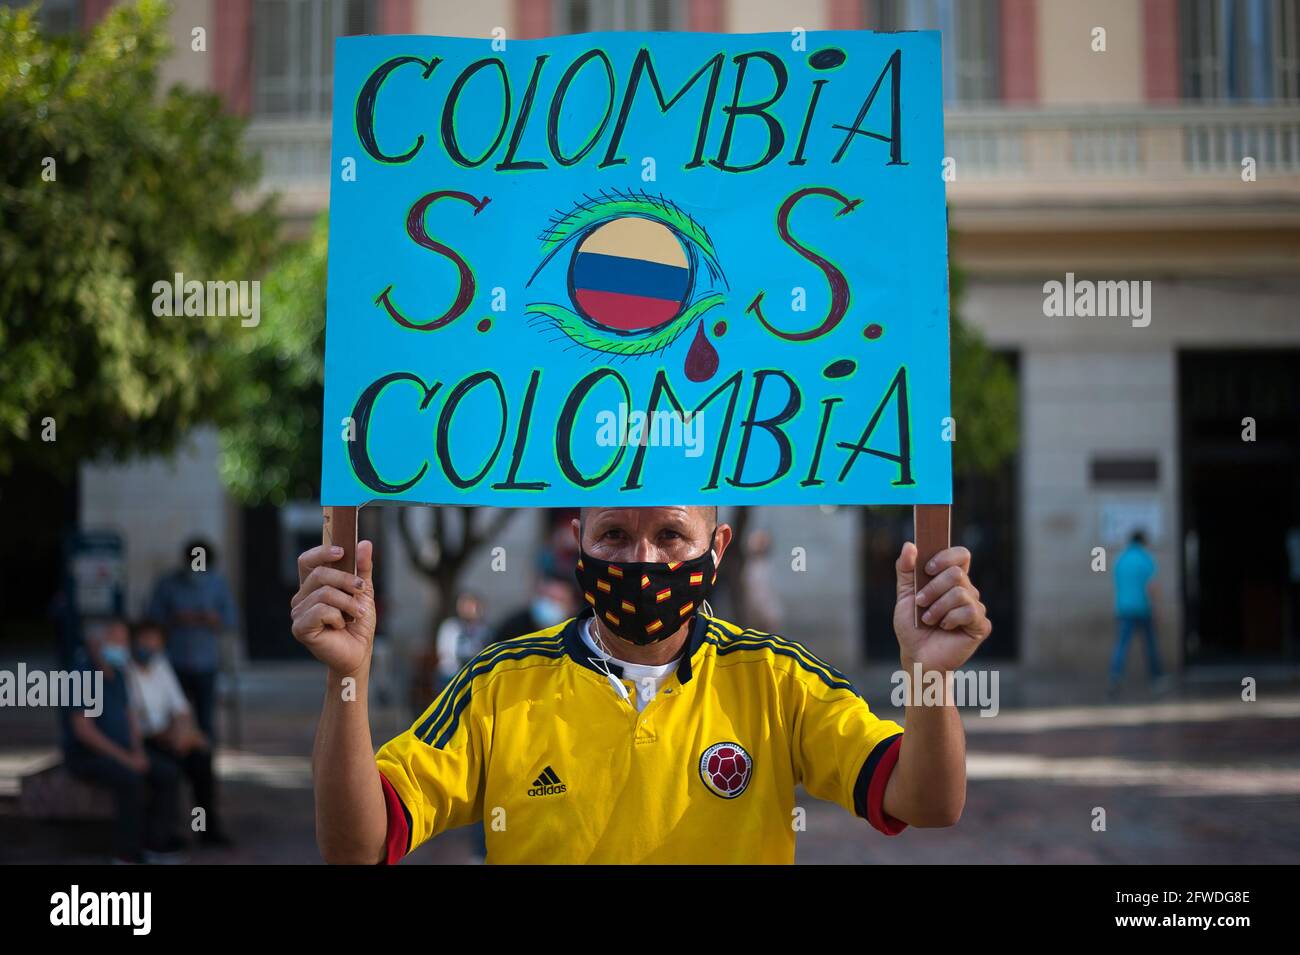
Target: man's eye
{"x":641,"y":272}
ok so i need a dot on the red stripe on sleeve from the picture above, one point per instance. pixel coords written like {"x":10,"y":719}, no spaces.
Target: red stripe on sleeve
{"x":399,"y":826}
{"x":876,"y":814}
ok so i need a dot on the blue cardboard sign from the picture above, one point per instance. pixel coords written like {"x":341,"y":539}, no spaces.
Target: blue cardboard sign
{"x":638,"y":268}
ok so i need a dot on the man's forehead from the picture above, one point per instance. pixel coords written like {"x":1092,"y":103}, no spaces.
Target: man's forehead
{"x":676,"y":514}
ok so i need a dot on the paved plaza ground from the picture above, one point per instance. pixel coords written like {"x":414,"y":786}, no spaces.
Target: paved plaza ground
{"x":1194,"y":776}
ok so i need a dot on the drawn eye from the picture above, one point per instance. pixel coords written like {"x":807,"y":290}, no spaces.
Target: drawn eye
{"x":640,"y":273}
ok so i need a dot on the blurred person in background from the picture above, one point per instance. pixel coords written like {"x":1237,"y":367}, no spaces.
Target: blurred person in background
{"x":108,"y":750}
{"x":558,"y":552}
{"x":195,"y":605}
{"x":555,"y":599}
{"x":167,"y":723}
{"x":1135,"y":571}
{"x":762,"y":609}
{"x":460,"y":637}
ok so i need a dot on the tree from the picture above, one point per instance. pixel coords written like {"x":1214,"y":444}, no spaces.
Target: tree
{"x":106,"y":188}
{"x":271,"y":429}
{"x":453,"y":542}
{"x":984,"y":397}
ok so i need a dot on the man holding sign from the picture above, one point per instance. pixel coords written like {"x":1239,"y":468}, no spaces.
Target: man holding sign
{"x":624,"y":270}
{"x":643,"y":730}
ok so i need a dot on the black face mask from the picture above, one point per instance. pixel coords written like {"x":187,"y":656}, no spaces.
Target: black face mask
{"x":645,"y":602}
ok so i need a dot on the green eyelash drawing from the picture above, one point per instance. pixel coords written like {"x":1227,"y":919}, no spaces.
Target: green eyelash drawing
{"x":642,"y":271}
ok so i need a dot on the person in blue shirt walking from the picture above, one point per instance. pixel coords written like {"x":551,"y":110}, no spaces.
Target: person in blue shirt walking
{"x":195,"y":605}
{"x":1134,"y":570}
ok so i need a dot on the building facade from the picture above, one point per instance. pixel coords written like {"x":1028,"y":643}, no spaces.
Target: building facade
{"x":1148,"y":149}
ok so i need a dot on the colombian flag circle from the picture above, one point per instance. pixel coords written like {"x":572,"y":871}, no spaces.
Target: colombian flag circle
{"x":630,"y":274}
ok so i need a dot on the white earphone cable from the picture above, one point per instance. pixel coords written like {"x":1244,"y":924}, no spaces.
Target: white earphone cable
{"x":603,"y":662}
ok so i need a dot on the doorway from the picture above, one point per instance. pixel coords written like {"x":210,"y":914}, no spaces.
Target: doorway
{"x":1240,"y":504}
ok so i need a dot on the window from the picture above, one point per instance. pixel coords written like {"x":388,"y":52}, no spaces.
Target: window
{"x":293,"y":53}
{"x":54,"y":16}
{"x":971,"y":41}
{"x":1239,"y":49}
{"x":582,"y":16}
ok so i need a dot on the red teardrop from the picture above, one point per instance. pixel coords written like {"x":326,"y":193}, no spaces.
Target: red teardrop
{"x":702,"y":359}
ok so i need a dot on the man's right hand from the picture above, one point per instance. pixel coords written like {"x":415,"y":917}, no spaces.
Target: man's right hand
{"x":325,"y":595}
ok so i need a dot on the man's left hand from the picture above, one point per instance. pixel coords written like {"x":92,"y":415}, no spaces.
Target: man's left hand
{"x":953,"y":621}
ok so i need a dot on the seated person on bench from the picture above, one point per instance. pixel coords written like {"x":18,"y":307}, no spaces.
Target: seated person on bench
{"x":107,"y":749}
{"x":167,"y":723}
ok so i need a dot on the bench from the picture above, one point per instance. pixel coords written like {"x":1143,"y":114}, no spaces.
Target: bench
{"x":54,"y":793}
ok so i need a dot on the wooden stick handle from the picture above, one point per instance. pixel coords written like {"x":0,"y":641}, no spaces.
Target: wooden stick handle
{"x":933,"y":532}
{"x":340,"y":527}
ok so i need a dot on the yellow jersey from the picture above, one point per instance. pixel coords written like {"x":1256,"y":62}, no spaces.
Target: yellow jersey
{"x":532,"y":738}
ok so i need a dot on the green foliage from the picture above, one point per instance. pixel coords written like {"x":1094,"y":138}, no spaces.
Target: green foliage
{"x":984,"y":398}
{"x":271,"y":445}
{"x":146,"y":184}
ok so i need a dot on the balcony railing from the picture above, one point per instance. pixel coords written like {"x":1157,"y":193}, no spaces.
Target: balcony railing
{"x":1041,"y":145}
{"x":1122,"y":142}
{"x":295,"y":154}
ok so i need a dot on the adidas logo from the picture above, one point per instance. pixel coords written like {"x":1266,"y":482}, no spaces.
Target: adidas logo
{"x":547,"y":784}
